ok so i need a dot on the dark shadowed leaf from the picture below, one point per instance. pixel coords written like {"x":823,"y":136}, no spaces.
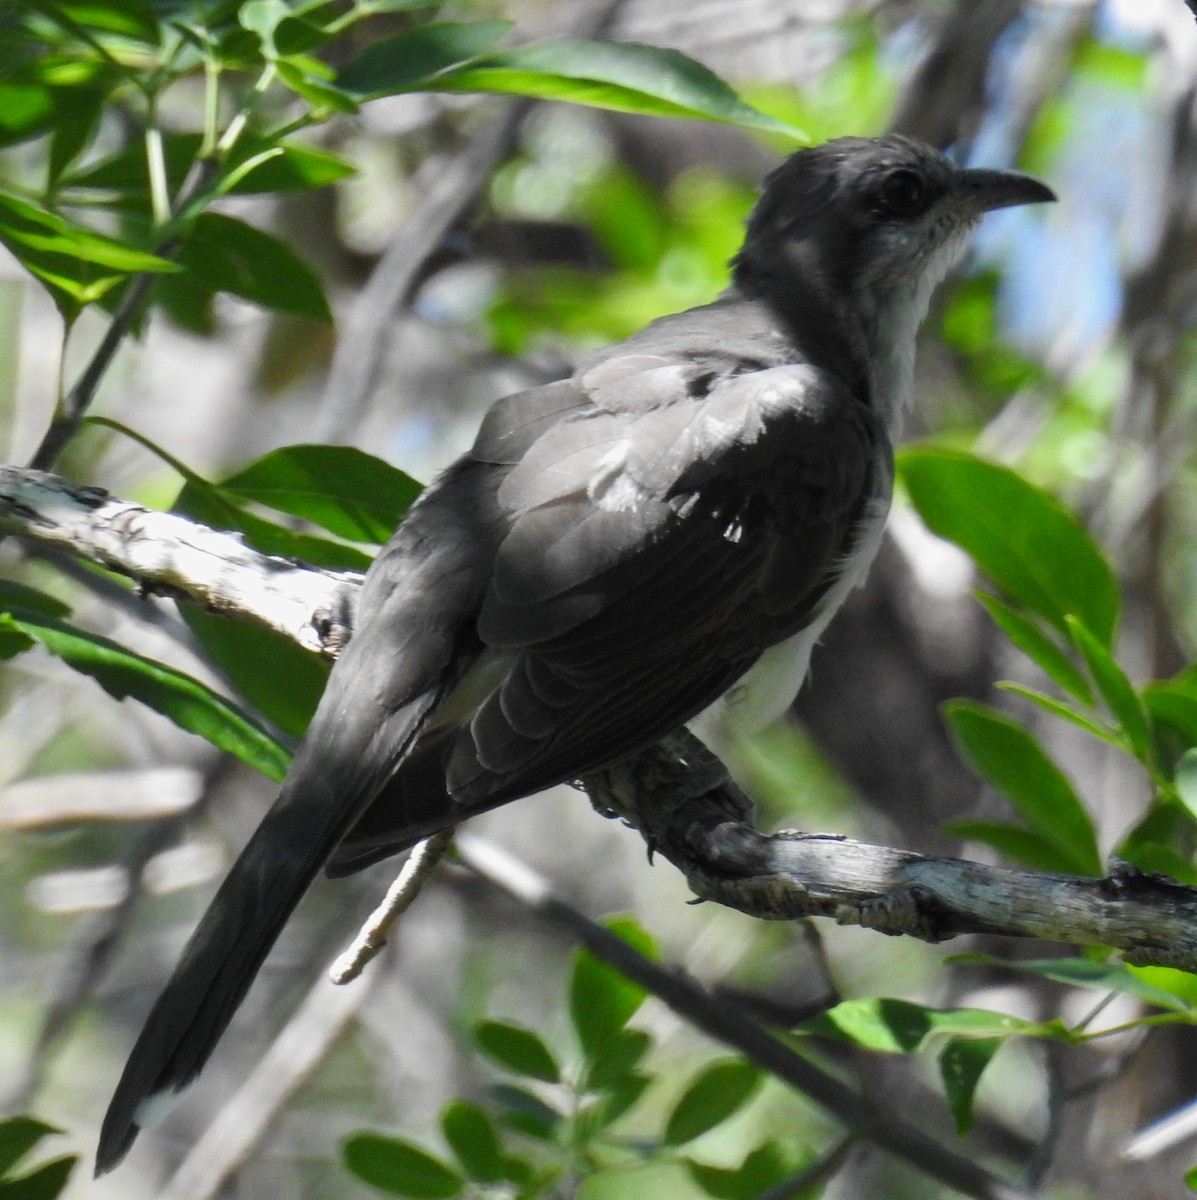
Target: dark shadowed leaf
{"x":961,"y":1063}
{"x":400,"y":1168}
{"x":1016,"y":844}
{"x":518,"y":1049}
{"x":19,"y":1135}
{"x":718,"y":1092}
{"x":1086,"y":972}
{"x":475,"y":1143}
{"x":764,"y":1168}
{"x":275,"y":676}
{"x":416,"y":57}
{"x":525,"y":1112}
{"x":224,"y":254}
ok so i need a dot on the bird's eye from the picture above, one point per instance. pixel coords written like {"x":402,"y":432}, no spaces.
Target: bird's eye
{"x":903,"y":193}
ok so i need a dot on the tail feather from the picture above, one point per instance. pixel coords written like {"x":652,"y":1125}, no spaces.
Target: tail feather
{"x":220,"y":962}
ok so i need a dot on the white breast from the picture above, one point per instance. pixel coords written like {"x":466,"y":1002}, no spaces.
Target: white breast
{"x":768,"y":688}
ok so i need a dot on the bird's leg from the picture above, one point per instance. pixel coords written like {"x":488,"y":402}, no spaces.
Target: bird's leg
{"x":680,"y":797}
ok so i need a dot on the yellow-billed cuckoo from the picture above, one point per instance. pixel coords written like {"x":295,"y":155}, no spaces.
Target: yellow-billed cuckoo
{"x":668,"y":529}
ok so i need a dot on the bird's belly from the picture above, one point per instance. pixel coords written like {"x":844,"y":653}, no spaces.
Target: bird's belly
{"x":769,"y":687}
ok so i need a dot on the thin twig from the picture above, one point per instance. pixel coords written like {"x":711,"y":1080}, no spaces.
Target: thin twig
{"x":372,"y":936}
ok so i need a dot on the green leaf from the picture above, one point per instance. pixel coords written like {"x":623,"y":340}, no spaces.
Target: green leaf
{"x":961,"y":1064}
{"x":1066,"y":712}
{"x":262,"y":17}
{"x":275,"y":676}
{"x":223,"y":254}
{"x":619,"y":1059}
{"x":1086,"y":972}
{"x":1032,"y":547}
{"x":1006,"y":754}
{"x":1185,"y":778}
{"x":718,"y":1092}
{"x":1016,"y":844}
{"x":26,"y":109}
{"x":892,"y":1026}
{"x":1115,"y":688}
{"x":19,"y":595}
{"x":79,"y":112}
{"x":319,"y":93}
{"x":416,"y":57}
{"x":601,"y":1000}
{"x":295,"y":168}
{"x":45,"y":1182}
{"x":1038,"y":647}
{"x":133,"y":19}
{"x":19,"y":1135}
{"x":1176,"y":704}
{"x":399,"y":1167}
{"x":762,"y":1170}
{"x":190,"y":704}
{"x":348,"y":492}
{"x":206,"y":503}
{"x":624,"y":76}
{"x":619,"y":1097}
{"x":517,"y":1049}
{"x":12,"y":640}
{"x":475,"y":1143}
{"x":526,"y":1112}
{"x":77,"y":266}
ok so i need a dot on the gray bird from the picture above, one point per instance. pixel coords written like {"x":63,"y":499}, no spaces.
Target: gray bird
{"x":661,"y":535}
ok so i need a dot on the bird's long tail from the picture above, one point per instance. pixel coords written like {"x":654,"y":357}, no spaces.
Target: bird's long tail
{"x":223,"y":956}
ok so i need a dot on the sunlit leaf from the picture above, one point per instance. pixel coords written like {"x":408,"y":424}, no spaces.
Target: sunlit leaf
{"x":1033,"y":548}
{"x":624,"y":76}
{"x":894,"y":1026}
{"x":601,"y":1000}
{"x":1010,"y":758}
{"x":348,"y":492}
{"x":1038,"y":647}
{"x":1115,"y":688}
{"x":188,"y":703}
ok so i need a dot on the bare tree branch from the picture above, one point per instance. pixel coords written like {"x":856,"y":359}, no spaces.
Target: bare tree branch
{"x":171,"y":556}
{"x":676,"y":792}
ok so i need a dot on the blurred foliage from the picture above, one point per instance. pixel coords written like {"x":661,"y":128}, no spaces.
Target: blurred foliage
{"x":566,"y":1120}
{"x":132,"y":136}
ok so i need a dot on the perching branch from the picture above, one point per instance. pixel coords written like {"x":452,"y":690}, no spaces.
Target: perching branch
{"x":676,"y":792}
{"x":169,"y":555}
{"x":687,"y":808}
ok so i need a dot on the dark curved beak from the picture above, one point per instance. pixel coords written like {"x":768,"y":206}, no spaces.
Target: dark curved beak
{"x":985,"y":190}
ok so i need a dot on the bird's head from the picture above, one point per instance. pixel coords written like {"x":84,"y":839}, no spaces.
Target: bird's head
{"x":872,"y":212}
{"x":850,"y":238}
